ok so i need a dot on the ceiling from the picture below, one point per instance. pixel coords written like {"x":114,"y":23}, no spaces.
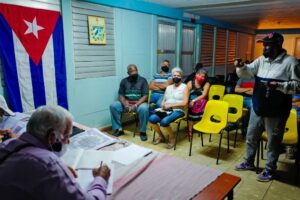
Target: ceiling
{"x":254,"y":14}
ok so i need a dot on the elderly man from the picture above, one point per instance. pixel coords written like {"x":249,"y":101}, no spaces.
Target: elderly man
{"x":133,"y":95}
{"x":30,"y":167}
{"x":277,"y":75}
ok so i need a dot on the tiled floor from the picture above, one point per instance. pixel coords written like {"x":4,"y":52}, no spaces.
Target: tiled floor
{"x":283,"y":188}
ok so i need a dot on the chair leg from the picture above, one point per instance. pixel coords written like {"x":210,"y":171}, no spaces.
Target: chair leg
{"x":234,"y":144}
{"x":227,"y":141}
{"x":153,"y":136}
{"x":262,"y":149}
{"x":209,"y":137}
{"x":221,"y":134}
{"x":178,"y":127}
{"x":191,"y":143}
{"x":136,"y":118}
{"x":201,"y":135}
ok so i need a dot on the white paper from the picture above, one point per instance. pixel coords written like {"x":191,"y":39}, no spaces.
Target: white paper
{"x":130,"y":154}
{"x":85,"y":178}
{"x":15,"y":123}
{"x":91,"y":159}
{"x":86,"y":159}
{"x":91,"y":139}
{"x":72,"y":156}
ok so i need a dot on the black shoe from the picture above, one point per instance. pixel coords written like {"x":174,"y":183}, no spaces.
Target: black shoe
{"x":143,"y":136}
{"x":118,"y":133}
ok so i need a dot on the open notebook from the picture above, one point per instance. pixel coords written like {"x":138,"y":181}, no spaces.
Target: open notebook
{"x":91,"y":139}
{"x":84,"y":161}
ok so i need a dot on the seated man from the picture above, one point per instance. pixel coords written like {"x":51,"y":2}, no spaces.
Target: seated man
{"x":159,"y":84}
{"x":31,"y":169}
{"x":12,"y":123}
{"x":133,"y":95}
{"x":245,"y":86}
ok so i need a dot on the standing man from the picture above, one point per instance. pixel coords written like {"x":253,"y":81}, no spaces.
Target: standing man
{"x":30,"y":167}
{"x":133,"y":95}
{"x":277,"y":75}
{"x":159,"y":84}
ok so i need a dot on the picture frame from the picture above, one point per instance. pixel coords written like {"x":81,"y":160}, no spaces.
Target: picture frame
{"x":97,"y":30}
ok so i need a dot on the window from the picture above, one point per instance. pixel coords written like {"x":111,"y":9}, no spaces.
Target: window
{"x":92,"y":60}
{"x":166,"y":43}
{"x":207,"y":42}
{"x":188,"y":47}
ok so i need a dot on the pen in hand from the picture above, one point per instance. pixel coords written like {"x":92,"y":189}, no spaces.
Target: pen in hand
{"x":100,"y":165}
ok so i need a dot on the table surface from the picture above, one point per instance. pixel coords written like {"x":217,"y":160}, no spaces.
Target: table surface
{"x":219,"y":188}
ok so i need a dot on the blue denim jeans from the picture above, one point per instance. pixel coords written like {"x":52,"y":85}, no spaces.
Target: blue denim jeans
{"x":165,"y":122}
{"x":274,"y":127}
{"x":116,"y":109}
{"x":155,"y":98}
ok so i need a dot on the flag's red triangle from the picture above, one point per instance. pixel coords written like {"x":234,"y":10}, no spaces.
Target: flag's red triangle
{"x":32,"y":26}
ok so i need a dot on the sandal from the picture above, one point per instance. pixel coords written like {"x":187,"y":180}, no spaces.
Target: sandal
{"x":171,"y":145}
{"x":158,"y":140}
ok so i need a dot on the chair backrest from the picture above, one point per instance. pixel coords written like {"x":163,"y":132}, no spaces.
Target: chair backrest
{"x":290,"y":136}
{"x":216,"y":113}
{"x":149,"y":96}
{"x":235,"y":104}
{"x":291,"y":132}
{"x":216,"y":92}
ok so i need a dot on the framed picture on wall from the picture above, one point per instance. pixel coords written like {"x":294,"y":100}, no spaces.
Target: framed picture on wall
{"x":97,"y":30}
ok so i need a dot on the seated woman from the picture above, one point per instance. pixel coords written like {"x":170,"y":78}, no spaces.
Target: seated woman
{"x":175,"y":98}
{"x":198,"y":88}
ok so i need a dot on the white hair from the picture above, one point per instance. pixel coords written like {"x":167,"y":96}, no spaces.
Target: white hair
{"x":177,"y":69}
{"x":47,"y":119}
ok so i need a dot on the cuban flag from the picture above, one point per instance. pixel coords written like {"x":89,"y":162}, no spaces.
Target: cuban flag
{"x":33,"y":58}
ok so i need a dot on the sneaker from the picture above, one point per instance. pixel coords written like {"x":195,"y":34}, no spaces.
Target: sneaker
{"x":244,"y":166}
{"x":265,"y":176}
{"x":143,"y":136}
{"x":118,"y":133}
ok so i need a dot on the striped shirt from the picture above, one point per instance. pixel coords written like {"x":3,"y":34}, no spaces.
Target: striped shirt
{"x":133,"y":91}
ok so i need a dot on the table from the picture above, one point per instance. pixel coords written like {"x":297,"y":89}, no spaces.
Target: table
{"x":140,"y":182}
{"x":220,"y":188}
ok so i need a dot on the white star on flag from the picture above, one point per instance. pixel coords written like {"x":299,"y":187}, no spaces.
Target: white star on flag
{"x":33,"y":27}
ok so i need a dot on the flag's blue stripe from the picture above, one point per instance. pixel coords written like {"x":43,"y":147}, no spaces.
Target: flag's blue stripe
{"x":9,"y":66}
{"x":60,"y":65}
{"x":38,"y":88}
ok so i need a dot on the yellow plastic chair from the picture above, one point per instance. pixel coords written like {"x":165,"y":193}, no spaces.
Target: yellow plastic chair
{"x":216,"y":92}
{"x":235,"y":112}
{"x":290,"y":138}
{"x":214,"y":109}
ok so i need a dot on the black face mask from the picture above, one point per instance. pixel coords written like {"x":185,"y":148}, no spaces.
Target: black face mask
{"x":269,"y":52}
{"x":176,"y":80}
{"x":57,"y":146}
{"x":165,"y":68}
{"x":133,"y":77}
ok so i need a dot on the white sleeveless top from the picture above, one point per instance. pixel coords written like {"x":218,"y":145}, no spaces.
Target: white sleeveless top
{"x":175,"y":95}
